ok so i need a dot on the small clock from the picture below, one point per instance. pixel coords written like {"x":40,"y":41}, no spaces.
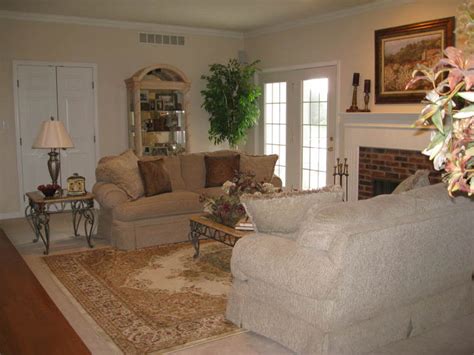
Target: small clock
{"x":76,"y":185}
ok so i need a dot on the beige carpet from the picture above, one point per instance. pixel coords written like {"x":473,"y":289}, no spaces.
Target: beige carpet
{"x":154,"y":299}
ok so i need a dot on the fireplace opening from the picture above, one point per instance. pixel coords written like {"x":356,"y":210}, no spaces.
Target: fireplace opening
{"x":383,"y":187}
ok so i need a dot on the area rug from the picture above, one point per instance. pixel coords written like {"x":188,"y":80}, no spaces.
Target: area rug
{"x":153,"y":299}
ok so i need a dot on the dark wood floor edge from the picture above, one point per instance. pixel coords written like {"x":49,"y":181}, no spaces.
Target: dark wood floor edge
{"x":29,"y":319}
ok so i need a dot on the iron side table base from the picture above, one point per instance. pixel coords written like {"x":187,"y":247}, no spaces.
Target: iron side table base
{"x":200,"y":231}
{"x":38,"y":215}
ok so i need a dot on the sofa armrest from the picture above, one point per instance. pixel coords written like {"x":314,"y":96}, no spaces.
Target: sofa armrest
{"x":109,"y":195}
{"x":276,"y":181}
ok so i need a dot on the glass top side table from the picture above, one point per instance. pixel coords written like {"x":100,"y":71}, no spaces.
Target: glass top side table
{"x":40,"y":208}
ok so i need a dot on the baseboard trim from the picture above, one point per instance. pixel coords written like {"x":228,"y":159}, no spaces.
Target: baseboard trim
{"x":10,"y":215}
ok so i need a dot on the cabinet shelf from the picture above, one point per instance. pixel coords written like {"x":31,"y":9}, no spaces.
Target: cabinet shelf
{"x":150,"y":89}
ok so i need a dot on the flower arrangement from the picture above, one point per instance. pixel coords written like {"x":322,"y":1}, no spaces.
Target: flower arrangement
{"x":227,"y":209}
{"x":449,"y":107}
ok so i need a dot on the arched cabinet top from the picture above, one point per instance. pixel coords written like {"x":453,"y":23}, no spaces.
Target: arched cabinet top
{"x":161,"y":74}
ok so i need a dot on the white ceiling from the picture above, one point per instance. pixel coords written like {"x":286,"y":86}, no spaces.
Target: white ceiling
{"x":234,"y":15}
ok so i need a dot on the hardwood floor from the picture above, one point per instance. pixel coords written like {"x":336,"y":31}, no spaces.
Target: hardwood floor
{"x":30,"y":323}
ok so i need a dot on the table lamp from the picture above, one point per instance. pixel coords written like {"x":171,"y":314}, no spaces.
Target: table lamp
{"x":53,"y":135}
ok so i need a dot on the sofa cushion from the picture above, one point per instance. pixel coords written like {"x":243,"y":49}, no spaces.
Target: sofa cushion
{"x":167,"y":204}
{"x":193,"y":170}
{"x":284,"y":212}
{"x":322,"y":226}
{"x":211,"y":191}
{"x":282,"y":263}
{"x":173,"y":166}
{"x":220,"y":169}
{"x":156,"y":179}
{"x":262,"y":166}
{"x":435,"y":197}
{"x":419,"y":179}
{"x":122,"y":170}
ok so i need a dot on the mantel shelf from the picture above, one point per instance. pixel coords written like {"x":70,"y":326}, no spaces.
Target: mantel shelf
{"x":379,"y":115}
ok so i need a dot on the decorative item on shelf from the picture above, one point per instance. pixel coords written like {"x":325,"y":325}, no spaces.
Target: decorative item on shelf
{"x":366,"y":95}
{"x":76,"y":185}
{"x":53,"y":136}
{"x":49,"y":190}
{"x":227,"y":209}
{"x":341,"y":170}
{"x":355,"y":84}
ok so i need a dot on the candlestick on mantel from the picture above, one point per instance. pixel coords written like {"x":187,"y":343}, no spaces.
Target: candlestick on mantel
{"x":366,"y":95}
{"x":355,"y":84}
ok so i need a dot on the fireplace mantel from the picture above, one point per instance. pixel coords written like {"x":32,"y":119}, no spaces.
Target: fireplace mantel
{"x":378,"y":130}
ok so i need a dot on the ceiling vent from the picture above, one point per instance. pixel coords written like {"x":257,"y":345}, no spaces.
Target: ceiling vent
{"x":153,"y":38}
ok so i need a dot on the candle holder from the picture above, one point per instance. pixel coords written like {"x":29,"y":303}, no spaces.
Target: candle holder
{"x":353,"y":107}
{"x":366,"y":102}
{"x":341,"y":173}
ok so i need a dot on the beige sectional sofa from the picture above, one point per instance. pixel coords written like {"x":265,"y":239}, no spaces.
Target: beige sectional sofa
{"x":358,"y":275}
{"x":160,"y":219}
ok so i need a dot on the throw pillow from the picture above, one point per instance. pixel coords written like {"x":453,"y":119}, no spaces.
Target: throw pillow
{"x":419,"y":179}
{"x":219,"y":169}
{"x":122,"y":170}
{"x":155,"y":177}
{"x":283,"y":212}
{"x":262,"y":166}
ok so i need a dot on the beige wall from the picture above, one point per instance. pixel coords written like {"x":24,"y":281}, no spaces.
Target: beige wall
{"x":118,"y":55}
{"x":349,"y":40}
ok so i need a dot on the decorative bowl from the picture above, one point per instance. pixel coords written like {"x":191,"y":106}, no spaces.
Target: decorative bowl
{"x":49,"y":190}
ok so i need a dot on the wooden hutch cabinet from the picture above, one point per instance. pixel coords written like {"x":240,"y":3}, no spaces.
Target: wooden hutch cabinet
{"x":157,"y":104}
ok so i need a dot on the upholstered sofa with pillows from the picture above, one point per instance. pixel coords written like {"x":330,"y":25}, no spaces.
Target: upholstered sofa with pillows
{"x":354,"y":276}
{"x":133,"y":215}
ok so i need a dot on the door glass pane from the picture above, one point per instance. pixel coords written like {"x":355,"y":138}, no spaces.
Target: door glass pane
{"x":314,"y":143}
{"x":275,"y":125}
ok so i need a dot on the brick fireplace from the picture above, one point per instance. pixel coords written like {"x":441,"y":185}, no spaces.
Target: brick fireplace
{"x":381,"y":169}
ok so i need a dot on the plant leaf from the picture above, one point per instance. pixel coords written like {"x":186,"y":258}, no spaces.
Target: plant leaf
{"x":466,"y":112}
{"x":467,"y":95}
{"x":437,"y":119}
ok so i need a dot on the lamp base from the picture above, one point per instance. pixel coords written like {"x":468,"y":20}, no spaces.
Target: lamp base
{"x":54,"y":165}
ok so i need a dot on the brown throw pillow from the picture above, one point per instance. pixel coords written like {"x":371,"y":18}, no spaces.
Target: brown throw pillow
{"x":262,"y":166}
{"x":219,"y":169}
{"x":155,"y":177}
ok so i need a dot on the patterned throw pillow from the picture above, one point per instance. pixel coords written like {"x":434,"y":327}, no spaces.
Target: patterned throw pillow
{"x":419,"y":179}
{"x":122,"y":170}
{"x":283,"y":212}
{"x":155,"y":177}
{"x":263,"y":166}
{"x":219,"y":169}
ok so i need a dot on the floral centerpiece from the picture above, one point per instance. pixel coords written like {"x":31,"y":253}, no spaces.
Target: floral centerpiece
{"x":227,"y":209}
{"x":450,"y":109}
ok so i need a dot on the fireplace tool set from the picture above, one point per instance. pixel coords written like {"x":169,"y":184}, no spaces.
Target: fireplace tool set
{"x":341,"y":173}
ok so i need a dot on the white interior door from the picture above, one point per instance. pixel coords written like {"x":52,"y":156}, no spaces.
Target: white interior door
{"x":36,"y":103}
{"x":67,"y":94}
{"x":299,"y":124}
{"x":76,"y":109}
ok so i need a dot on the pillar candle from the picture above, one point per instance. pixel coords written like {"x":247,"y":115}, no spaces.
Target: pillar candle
{"x":355,"y":79}
{"x":366,"y":86}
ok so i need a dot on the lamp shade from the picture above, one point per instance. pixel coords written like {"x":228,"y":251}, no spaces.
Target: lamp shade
{"x":53,"y":134}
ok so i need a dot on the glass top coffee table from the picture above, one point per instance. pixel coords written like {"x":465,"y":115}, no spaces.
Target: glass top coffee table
{"x":204,"y":228}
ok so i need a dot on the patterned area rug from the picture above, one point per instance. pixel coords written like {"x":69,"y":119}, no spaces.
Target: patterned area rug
{"x":152,"y":299}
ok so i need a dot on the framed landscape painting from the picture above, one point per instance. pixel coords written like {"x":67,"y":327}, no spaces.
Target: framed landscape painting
{"x":398,"y":50}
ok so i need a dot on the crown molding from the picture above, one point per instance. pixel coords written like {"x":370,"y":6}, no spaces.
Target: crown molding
{"x":127,"y":25}
{"x":378,"y":4}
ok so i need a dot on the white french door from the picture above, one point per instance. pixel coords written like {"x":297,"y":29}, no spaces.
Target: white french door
{"x":299,"y":113}
{"x":65,"y":93}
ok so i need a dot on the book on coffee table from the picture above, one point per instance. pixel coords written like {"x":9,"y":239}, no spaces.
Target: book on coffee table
{"x":244,"y":225}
